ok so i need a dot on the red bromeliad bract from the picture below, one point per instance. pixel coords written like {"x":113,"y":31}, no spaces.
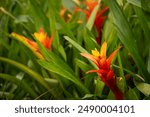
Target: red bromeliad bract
{"x":99,"y":19}
{"x":104,"y":70}
{"x":90,"y":5}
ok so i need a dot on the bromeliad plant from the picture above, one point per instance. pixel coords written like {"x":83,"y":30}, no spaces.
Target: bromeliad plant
{"x":104,"y":70}
{"x":46,"y":63}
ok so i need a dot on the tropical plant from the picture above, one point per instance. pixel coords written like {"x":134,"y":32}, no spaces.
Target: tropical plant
{"x":48,"y":49}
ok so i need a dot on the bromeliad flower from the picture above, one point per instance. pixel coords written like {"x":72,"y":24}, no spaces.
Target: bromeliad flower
{"x":90,"y":5}
{"x":99,"y":18}
{"x":41,"y":36}
{"x":104,"y":70}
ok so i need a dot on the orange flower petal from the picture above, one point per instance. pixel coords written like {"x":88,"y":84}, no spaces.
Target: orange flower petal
{"x":100,"y":71}
{"x":33,"y":44}
{"x":103,"y":63}
{"x":92,"y":71}
{"x":30,"y":44}
{"x":102,"y":11}
{"x":62,"y":12}
{"x":91,"y":57}
{"x":50,"y":40}
{"x":112,"y":55}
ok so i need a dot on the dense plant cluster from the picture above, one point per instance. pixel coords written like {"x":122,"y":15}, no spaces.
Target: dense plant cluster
{"x":75,"y":49}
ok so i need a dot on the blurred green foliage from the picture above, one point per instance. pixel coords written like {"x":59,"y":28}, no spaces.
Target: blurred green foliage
{"x":62,"y":75}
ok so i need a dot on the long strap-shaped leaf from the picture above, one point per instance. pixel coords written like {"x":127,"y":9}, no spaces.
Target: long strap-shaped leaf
{"x":39,"y":13}
{"x":135,"y":2}
{"x":91,"y":19}
{"x":18,"y":82}
{"x":32,"y":73}
{"x":127,"y":37}
{"x":79,"y":47}
{"x":54,"y":64}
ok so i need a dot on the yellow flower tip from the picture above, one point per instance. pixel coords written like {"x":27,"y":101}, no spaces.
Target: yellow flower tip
{"x":13,"y":34}
{"x":103,"y":49}
{"x":19,"y":37}
{"x":40,"y":36}
{"x":95,"y":53}
{"x":30,"y":44}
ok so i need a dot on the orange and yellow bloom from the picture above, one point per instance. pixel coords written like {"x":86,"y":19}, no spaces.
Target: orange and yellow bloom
{"x":104,"y":70}
{"x":41,"y":36}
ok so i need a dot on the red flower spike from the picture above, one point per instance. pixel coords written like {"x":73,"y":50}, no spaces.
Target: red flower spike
{"x":99,"y":19}
{"x":112,"y":55}
{"x":104,"y":70}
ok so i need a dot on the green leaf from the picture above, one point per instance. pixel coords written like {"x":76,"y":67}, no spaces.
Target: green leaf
{"x":50,"y":56}
{"x":8,"y":95}
{"x":146,"y":5}
{"x":99,"y":87}
{"x":89,"y":81}
{"x":135,"y":2}
{"x":40,"y":16}
{"x":13,"y":17}
{"x":91,"y":19}
{"x":17,"y":81}
{"x":148,"y":66}
{"x":121,"y":83}
{"x":82,"y":65}
{"x":109,"y":33}
{"x":58,"y":66}
{"x":53,"y":29}
{"x":143,"y":21}
{"x":53,"y":67}
{"x":52,"y":82}
{"x":62,"y":52}
{"x":75,"y":44}
{"x":78,"y":47}
{"x":24,"y":68}
{"x":143,"y":87}
{"x":131,"y":95}
{"x":127,"y":37}
{"x":90,"y":42}
{"x":136,"y":76}
{"x":88,"y":96}
{"x":65,"y":27}
{"x":55,"y":6}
